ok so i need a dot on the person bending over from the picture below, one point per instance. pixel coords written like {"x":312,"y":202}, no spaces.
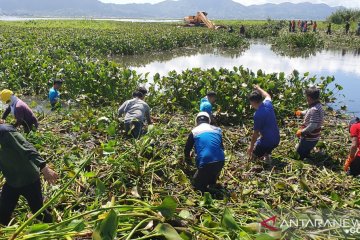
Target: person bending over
{"x":20,"y":110}
{"x":266,"y":135}
{"x":209,"y":150}
{"x":352,"y":164}
{"x":136,"y":111}
{"x":310,"y":130}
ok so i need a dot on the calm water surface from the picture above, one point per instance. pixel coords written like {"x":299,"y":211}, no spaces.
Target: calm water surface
{"x":343,"y":64}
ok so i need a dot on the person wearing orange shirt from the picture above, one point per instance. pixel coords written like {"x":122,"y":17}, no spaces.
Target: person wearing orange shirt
{"x":352,"y":164}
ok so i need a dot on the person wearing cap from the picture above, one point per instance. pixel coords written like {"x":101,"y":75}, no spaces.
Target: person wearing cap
{"x":266,"y":134}
{"x":24,"y":116}
{"x":137,"y":112}
{"x":206,"y":104}
{"x":310,"y":130}
{"x":21,"y":165}
{"x":352,"y":164}
{"x":209,"y":150}
{"x":54,"y":94}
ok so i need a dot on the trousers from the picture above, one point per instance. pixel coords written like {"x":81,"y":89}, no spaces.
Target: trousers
{"x":10,"y":196}
{"x":207,"y":175}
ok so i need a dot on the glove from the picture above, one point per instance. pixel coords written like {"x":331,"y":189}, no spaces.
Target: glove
{"x":348,"y":163}
{"x":298,"y":113}
{"x":299,"y":133}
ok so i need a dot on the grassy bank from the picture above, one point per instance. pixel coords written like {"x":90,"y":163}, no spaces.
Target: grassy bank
{"x":277,"y":32}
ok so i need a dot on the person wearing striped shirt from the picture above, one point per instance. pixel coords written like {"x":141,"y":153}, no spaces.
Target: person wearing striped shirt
{"x":310,"y":130}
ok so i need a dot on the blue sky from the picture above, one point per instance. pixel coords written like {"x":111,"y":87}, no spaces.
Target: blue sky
{"x":346,"y":3}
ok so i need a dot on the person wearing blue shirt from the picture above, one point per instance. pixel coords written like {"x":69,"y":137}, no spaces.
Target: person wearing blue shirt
{"x":54,"y":95}
{"x":206,"y":104}
{"x":209,"y":150}
{"x":266,"y":135}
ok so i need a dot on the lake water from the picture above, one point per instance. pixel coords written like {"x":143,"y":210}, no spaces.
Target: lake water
{"x":343,"y":64}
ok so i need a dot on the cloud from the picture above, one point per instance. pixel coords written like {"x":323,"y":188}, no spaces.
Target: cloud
{"x":346,"y":3}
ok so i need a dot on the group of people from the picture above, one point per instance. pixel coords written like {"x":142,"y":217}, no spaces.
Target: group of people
{"x":242,"y":29}
{"x":21,"y":164}
{"x":347,"y":28}
{"x":207,"y":138}
{"x":303,"y":26}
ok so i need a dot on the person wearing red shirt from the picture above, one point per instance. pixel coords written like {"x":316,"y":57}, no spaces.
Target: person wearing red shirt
{"x":352,"y":164}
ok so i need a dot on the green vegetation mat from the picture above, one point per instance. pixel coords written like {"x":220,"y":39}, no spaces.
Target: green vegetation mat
{"x":113,"y":187}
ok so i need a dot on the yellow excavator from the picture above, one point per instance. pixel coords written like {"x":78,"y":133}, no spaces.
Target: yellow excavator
{"x":199,"y":20}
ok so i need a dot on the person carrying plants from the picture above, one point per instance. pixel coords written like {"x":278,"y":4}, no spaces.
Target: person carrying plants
{"x":310,"y":131}
{"x":21,"y":165}
{"x":352,"y":164}
{"x":54,"y":94}
{"x":206,"y":104}
{"x":136,"y":111}
{"x":20,"y":110}
{"x":209,"y":150}
{"x":266,"y":135}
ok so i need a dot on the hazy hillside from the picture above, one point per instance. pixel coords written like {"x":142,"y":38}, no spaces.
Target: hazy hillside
{"x":217,"y":9}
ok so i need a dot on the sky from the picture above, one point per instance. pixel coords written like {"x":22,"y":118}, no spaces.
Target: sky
{"x":345,"y":3}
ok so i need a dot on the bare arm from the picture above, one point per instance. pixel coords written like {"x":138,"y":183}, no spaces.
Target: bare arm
{"x":354,"y":147}
{"x":262,"y":92}
{"x":255,"y":136}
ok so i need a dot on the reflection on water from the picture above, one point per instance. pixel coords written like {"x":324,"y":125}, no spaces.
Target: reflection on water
{"x":343,"y":64}
{"x":163,"y":57}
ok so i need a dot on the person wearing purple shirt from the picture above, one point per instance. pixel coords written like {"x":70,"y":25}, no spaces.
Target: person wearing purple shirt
{"x":24,"y":116}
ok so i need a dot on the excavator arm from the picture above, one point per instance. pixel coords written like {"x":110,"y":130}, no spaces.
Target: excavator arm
{"x":201,"y":16}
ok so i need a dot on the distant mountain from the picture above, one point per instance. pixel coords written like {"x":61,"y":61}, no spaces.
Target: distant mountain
{"x":217,"y":9}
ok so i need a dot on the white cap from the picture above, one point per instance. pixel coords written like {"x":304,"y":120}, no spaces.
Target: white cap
{"x":203,"y":115}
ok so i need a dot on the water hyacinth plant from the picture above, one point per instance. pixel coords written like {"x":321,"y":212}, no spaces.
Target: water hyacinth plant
{"x":114,"y":188}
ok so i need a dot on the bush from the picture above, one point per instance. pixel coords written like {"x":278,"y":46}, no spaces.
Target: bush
{"x":343,"y":15}
{"x":181,"y":91}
